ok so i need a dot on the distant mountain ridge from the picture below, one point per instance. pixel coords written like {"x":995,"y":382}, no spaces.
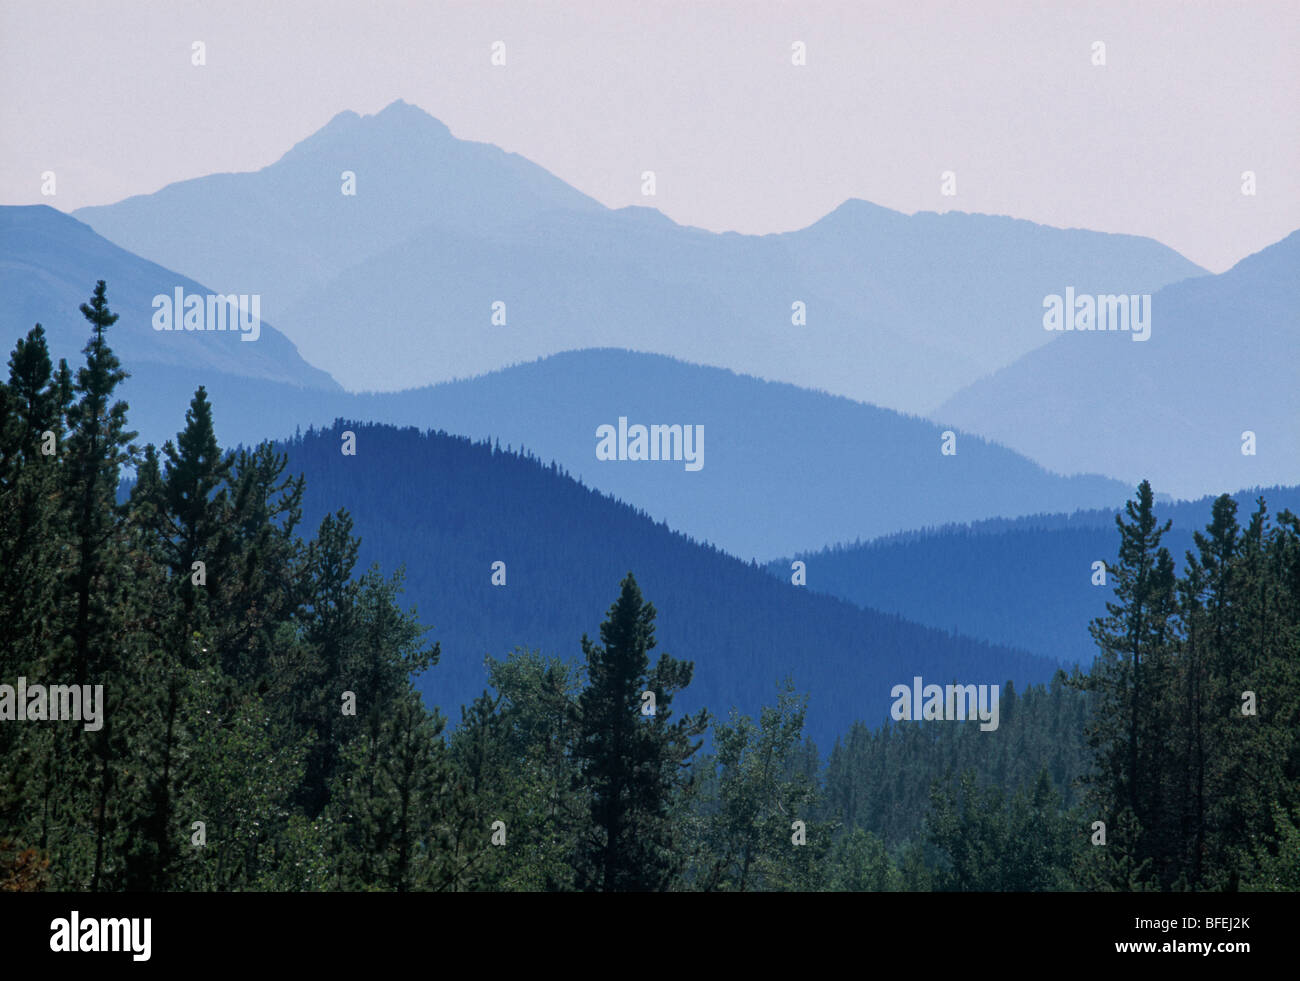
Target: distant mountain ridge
{"x":1223,"y":359}
{"x":396,"y":286}
{"x":1026,"y":581}
{"x":288,"y":228}
{"x":49,"y":264}
{"x":782,"y":467}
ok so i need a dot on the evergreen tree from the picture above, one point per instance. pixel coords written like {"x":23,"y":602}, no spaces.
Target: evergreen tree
{"x":384,"y":799}
{"x":634,"y":766}
{"x":31,"y":433}
{"x":97,"y":447}
{"x":1130,"y":680}
{"x":181,"y":512}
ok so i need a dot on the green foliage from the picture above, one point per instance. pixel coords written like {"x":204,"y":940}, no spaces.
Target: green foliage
{"x":990,"y":843}
{"x":517,"y":751}
{"x":880,"y":780}
{"x":1195,"y":729}
{"x":760,"y":792}
{"x":634,"y":767}
{"x":860,"y":863}
{"x":223,"y":643}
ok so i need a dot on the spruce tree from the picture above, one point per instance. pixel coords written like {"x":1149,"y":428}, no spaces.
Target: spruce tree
{"x":97,"y":447}
{"x":31,"y":544}
{"x":1130,"y":729}
{"x":181,"y":512}
{"x":634,"y":766}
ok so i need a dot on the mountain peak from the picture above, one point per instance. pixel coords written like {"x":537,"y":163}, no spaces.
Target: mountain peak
{"x":398,"y":118}
{"x":401,"y":112}
{"x":858,"y":209}
{"x":344,"y":118}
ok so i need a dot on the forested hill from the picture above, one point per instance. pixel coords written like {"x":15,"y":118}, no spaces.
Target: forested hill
{"x":448,"y":508}
{"x":1024,"y":581}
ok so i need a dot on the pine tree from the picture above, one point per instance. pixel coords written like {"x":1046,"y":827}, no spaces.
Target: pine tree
{"x":1131,"y":725}
{"x":31,"y":541}
{"x":181,"y":512}
{"x":30,"y":534}
{"x":860,"y":863}
{"x":384,"y":801}
{"x":632,"y":765}
{"x":97,"y":447}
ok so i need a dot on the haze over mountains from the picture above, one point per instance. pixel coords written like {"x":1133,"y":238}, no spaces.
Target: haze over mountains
{"x":393,"y":287}
{"x":49,"y":264}
{"x":783,"y":468}
{"x":1223,"y":358}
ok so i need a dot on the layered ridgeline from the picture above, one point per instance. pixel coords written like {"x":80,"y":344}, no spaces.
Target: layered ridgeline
{"x":779,"y":467}
{"x":449,"y":508}
{"x":398,"y":284}
{"x":1222,"y":360}
{"x":798,"y":468}
{"x":1029,"y":582}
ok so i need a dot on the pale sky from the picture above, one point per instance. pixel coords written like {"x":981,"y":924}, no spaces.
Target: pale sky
{"x":1004,"y":94}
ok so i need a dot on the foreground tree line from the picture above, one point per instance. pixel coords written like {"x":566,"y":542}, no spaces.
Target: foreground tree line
{"x":261,"y":729}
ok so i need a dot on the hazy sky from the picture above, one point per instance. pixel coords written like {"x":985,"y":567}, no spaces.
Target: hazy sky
{"x":1004,"y":94}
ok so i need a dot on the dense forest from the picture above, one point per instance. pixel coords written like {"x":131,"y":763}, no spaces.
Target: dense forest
{"x":246,"y":717}
{"x":450,"y":508}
